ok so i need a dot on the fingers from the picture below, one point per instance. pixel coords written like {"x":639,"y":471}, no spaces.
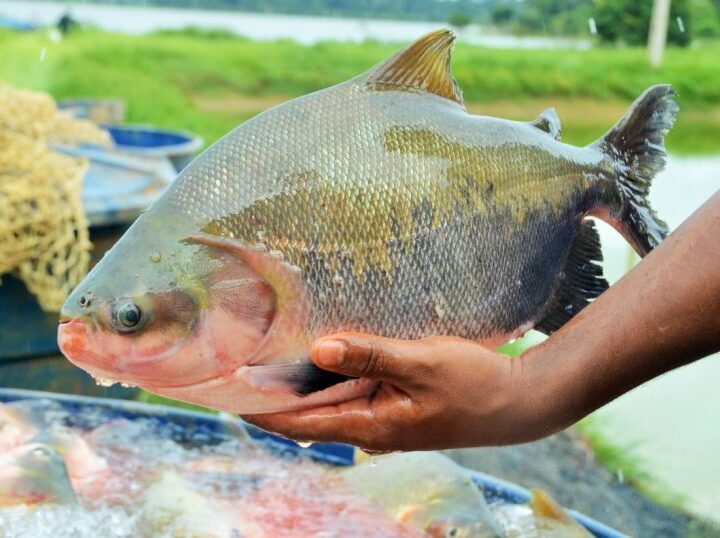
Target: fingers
{"x":371,"y":357}
{"x":350,"y":422}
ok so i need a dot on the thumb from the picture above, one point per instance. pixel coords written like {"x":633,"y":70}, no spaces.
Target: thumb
{"x":364,"y":356}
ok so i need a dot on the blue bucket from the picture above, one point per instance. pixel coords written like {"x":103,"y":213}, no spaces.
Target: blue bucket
{"x":192,"y":426}
{"x":180,"y":147}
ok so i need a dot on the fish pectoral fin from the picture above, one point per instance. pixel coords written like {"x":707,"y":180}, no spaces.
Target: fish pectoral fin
{"x":285,"y":333}
{"x":423,"y":66}
{"x":549,"y":122}
{"x":285,"y":279}
{"x":302,"y":377}
{"x":581,"y":281}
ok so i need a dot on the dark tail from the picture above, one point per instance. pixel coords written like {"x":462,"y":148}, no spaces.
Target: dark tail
{"x":637,"y":145}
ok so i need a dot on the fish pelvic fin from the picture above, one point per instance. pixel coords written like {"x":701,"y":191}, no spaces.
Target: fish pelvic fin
{"x":636,"y":144}
{"x":423,"y":66}
{"x":580,"y":281}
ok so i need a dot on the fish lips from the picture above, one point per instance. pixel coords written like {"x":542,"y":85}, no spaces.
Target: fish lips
{"x":76,"y":342}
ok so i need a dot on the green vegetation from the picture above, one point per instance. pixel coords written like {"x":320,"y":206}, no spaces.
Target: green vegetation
{"x":458,"y":19}
{"x":617,"y":21}
{"x":208,"y":82}
{"x":623,"y":461}
{"x":628,"y":21}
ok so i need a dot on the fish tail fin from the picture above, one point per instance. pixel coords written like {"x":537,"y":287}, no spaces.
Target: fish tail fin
{"x":636,"y":144}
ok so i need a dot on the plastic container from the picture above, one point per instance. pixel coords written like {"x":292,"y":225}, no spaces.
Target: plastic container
{"x":211,"y":427}
{"x":180,"y":147}
{"x":98,"y":110}
{"x":116,"y":188}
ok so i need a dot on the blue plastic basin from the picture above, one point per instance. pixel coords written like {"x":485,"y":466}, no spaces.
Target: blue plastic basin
{"x":180,"y":147}
{"x":191,"y":426}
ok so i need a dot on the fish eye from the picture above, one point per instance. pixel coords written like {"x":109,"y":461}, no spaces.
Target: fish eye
{"x":452,"y":532}
{"x":127,"y":316}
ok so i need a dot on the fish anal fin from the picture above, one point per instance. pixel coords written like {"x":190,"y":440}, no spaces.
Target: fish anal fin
{"x":423,"y":66}
{"x":549,"y":122}
{"x":581,"y":280}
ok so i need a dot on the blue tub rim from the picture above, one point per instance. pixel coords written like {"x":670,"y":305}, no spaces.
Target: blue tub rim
{"x":194,"y":143}
{"x":332,"y":453}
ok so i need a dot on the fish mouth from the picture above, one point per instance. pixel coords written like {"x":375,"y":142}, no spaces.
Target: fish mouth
{"x":74,"y":343}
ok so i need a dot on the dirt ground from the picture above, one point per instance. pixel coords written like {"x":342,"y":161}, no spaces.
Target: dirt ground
{"x":563,"y":465}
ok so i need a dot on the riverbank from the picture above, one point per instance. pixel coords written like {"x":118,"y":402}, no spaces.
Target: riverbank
{"x":208,"y":82}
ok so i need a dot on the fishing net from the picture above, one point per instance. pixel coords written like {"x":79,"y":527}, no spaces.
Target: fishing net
{"x":43,"y":229}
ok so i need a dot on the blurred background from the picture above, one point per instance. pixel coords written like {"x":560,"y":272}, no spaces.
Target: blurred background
{"x":165,"y":78}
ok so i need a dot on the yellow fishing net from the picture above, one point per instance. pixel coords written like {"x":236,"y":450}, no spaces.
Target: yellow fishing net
{"x":43,"y":229}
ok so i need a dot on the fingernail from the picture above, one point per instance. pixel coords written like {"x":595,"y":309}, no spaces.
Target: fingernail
{"x":330,"y":353}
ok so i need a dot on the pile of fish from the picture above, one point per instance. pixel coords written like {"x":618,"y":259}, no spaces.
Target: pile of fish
{"x":83,"y":475}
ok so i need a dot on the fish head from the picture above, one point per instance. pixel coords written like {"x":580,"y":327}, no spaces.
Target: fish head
{"x":160,"y":310}
{"x":34,"y":473}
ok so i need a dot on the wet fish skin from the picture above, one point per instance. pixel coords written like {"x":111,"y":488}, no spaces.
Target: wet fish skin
{"x":377,"y":205}
{"x":426,"y":491}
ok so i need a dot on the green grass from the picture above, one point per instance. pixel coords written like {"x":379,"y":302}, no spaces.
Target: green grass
{"x":164,"y":77}
{"x":623,"y":461}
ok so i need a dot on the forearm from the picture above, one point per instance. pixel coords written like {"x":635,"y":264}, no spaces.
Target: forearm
{"x":661,"y":315}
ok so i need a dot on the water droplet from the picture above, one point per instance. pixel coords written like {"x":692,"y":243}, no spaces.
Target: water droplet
{"x":569,"y":308}
{"x":155,"y":258}
{"x":592,"y":26}
{"x":104,"y":382}
{"x":681,"y":25}
{"x":518,"y":282}
{"x":304,"y":444}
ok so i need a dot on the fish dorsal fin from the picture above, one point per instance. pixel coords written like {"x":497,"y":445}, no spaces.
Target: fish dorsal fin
{"x":423,"y":66}
{"x":549,"y":122}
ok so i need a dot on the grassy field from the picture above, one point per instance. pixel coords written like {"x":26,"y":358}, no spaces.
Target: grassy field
{"x":208,"y":82}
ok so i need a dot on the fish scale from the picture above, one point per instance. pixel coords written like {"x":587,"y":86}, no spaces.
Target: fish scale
{"x":377,"y":205}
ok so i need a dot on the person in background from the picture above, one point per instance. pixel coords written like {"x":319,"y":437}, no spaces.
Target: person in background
{"x":66,"y":23}
{"x":444,"y":392}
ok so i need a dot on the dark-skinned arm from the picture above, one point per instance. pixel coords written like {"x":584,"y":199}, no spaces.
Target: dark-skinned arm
{"x":445,"y":392}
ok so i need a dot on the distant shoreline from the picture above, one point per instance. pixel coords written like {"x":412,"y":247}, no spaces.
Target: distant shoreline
{"x":305,"y":29}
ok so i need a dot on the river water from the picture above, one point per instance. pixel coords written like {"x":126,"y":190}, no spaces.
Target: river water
{"x":672,"y":421}
{"x":137,"y":20}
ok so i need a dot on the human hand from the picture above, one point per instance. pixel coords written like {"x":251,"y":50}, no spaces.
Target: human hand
{"x":436,"y":393}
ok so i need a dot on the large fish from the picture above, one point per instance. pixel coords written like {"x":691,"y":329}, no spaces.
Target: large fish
{"x":376,"y":205}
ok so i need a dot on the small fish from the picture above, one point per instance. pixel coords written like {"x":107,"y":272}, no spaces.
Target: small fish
{"x":377,"y":205}
{"x":15,"y":427}
{"x":172,"y":507}
{"x":426,"y":491}
{"x":89,"y":472}
{"x":32,"y":474}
